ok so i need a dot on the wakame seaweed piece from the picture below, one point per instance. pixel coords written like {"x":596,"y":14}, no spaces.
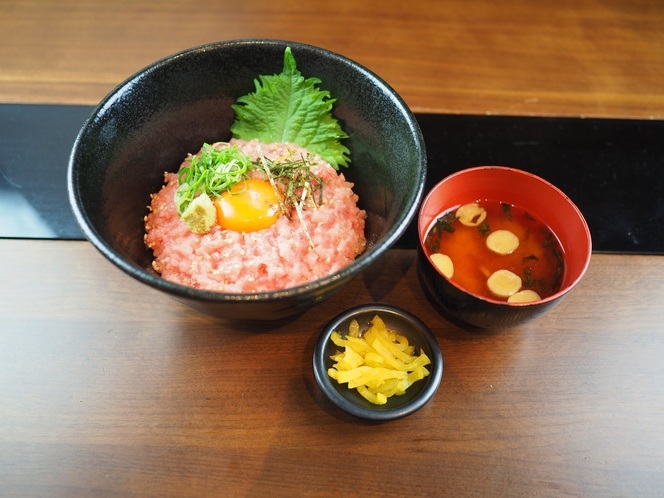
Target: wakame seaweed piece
{"x":532,"y":257}
{"x":432,"y":243}
{"x":446,"y":222}
{"x":532,"y":283}
{"x":432,"y":240}
{"x":528,"y":277}
{"x":435,"y":246}
{"x":507,"y":210}
{"x":528,"y":216}
{"x":484,"y":228}
{"x":447,"y":227}
{"x":559,"y":268}
{"x":548,"y":238}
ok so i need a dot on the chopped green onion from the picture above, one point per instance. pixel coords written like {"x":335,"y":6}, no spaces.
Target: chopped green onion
{"x":212,"y":172}
{"x":218,"y":169}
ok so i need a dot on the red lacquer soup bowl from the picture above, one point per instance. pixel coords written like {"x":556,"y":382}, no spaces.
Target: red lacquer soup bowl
{"x":530,"y":194}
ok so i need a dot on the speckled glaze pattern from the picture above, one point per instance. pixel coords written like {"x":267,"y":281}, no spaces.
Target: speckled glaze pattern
{"x":349,"y":400}
{"x":149,"y":123}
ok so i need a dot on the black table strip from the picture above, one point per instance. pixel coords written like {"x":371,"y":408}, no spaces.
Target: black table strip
{"x":613,"y":169}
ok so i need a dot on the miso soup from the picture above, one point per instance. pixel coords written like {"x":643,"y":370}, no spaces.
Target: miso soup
{"x":497,"y":251}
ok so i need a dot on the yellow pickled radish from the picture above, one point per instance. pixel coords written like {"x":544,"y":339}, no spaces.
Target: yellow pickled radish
{"x":503,"y":283}
{"x":379,"y":364}
{"x":502,"y":242}
{"x":353,"y":329}
{"x":524,"y":296}
{"x":375,"y":398}
{"x":444,"y":264}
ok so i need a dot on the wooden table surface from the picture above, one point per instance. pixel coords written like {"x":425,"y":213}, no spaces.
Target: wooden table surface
{"x":108,"y":388}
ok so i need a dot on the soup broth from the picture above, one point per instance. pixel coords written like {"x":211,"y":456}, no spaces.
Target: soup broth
{"x":464,"y":235}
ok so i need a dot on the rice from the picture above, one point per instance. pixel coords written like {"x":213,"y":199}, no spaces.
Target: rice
{"x":274,"y":258}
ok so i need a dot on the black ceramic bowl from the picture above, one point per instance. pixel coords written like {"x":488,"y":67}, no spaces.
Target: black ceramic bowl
{"x":519,"y":188}
{"x":149,"y":123}
{"x":349,"y":400}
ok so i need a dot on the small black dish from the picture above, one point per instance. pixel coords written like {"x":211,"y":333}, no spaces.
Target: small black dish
{"x":349,"y":400}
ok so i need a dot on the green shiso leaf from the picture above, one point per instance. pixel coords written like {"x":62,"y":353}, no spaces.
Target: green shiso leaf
{"x":287,"y":107}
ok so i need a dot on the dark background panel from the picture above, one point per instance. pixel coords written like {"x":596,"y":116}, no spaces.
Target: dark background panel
{"x":613,"y":169}
{"x":35,"y":142}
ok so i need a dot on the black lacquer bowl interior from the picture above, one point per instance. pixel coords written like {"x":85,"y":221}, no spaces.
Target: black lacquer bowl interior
{"x":149,"y":123}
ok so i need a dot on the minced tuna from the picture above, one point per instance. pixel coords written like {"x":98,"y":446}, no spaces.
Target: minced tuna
{"x":274,"y":258}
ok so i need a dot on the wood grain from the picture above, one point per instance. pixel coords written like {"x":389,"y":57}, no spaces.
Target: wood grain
{"x":112,"y":389}
{"x":108,"y":388}
{"x":589,"y":57}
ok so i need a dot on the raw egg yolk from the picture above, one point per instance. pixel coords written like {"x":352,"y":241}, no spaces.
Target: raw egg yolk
{"x":250,"y":206}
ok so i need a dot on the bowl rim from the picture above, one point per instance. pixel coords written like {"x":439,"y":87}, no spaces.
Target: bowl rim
{"x":509,"y":169}
{"x":370,"y":255}
{"x":330,"y":390}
